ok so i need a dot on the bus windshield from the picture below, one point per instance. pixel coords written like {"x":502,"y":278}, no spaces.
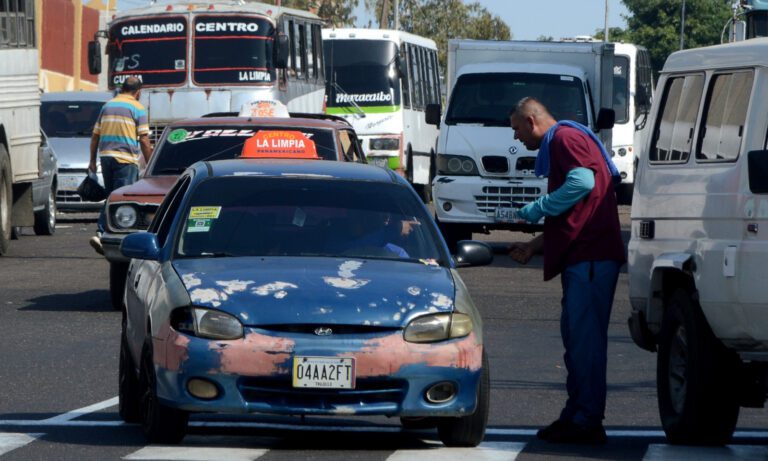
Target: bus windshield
{"x":487,"y":98}
{"x":621,"y":88}
{"x":154,"y":50}
{"x":361,"y":71}
{"x":232,"y":50}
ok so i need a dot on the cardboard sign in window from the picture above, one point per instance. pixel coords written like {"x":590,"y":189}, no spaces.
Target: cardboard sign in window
{"x":279,"y":144}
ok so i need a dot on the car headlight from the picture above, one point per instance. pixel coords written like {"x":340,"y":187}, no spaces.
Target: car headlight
{"x":438,"y":327}
{"x":125,"y":216}
{"x":206,"y":323}
{"x":456,"y":165}
{"x":385,"y":144}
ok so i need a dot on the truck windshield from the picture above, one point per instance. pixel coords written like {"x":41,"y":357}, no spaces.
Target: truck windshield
{"x":487,"y":98}
{"x":154,"y":50}
{"x":621,"y":88}
{"x":361,"y":71}
{"x":233,"y":50}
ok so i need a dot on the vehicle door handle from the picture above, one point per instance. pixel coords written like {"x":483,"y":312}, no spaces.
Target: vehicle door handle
{"x":136,"y":283}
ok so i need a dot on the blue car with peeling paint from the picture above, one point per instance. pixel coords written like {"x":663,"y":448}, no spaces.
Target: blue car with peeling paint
{"x":300,"y":287}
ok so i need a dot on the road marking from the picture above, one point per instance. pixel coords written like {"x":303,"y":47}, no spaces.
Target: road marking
{"x":180,"y":453}
{"x":70,"y":415}
{"x":729,"y":452}
{"x":488,"y":451}
{"x":11,"y":441}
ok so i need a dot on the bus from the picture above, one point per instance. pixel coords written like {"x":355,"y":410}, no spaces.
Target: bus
{"x":381,"y":82}
{"x":19,"y":116}
{"x":196,"y":58}
{"x":632,"y":95}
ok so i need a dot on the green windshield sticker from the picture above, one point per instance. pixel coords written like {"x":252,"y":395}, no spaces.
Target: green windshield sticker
{"x":198,"y":225}
{"x":177,"y":135}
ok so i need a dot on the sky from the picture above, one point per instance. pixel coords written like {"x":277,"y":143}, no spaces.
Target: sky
{"x":527,"y":19}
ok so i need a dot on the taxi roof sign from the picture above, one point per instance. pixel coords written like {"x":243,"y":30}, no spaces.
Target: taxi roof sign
{"x":264,"y":108}
{"x":279,"y":144}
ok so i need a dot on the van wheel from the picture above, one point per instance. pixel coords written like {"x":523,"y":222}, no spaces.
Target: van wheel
{"x":469,"y":431}
{"x":6,"y":194}
{"x":695,"y":377}
{"x":161,"y":424}
{"x":45,"y":220}
{"x":117,"y":275}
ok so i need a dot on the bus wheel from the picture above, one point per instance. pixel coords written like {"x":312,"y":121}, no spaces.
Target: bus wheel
{"x":6,"y":193}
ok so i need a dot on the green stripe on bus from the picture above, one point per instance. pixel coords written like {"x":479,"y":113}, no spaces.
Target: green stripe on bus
{"x":365,"y":109}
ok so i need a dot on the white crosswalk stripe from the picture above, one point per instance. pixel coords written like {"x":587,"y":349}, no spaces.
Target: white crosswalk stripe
{"x":659,"y":452}
{"x":487,"y":451}
{"x":11,"y":441}
{"x":181,"y":453}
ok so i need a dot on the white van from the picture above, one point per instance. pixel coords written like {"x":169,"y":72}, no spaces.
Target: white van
{"x":699,"y":240}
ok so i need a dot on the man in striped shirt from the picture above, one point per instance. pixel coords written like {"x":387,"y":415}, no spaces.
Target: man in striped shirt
{"x":120,"y":135}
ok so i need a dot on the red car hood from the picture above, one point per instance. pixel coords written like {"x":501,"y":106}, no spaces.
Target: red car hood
{"x":146,"y":190}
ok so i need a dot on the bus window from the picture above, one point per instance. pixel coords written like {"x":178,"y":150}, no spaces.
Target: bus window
{"x":404,"y":79}
{"x":418,"y":95}
{"x":318,"y":51}
{"x":310,"y":51}
{"x":621,"y":88}
{"x":286,"y":30}
{"x":296,"y":40}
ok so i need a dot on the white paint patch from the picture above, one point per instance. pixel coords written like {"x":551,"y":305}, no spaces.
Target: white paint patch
{"x":415,"y":291}
{"x":488,"y":451}
{"x":396,"y":317}
{"x":11,"y":441}
{"x":347,"y":268}
{"x":234,"y":286}
{"x":441,"y":301}
{"x":323,"y":310}
{"x":344,"y":411}
{"x":177,"y":453}
{"x":281,"y":294}
{"x":729,"y":452}
{"x":207,"y":295}
{"x":191,"y":281}
{"x":274,"y":287}
{"x":345,"y":282}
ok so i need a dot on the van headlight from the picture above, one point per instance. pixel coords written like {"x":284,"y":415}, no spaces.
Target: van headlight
{"x":438,"y":327}
{"x":206,"y":323}
{"x":125,"y":216}
{"x":385,"y":144}
{"x":456,"y":165}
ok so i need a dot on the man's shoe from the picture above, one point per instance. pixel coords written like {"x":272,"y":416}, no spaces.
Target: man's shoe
{"x":546,"y":432}
{"x":95,"y":242}
{"x":569,"y":432}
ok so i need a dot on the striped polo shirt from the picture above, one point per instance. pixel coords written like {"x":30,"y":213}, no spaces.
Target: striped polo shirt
{"x":121,"y":121}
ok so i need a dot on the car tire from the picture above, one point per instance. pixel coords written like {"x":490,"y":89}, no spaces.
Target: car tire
{"x":469,"y":431}
{"x":160,"y":423}
{"x":129,"y":390}
{"x":695,"y":377}
{"x":453,"y":233}
{"x":118,"y":272}
{"x":6,"y":197}
{"x":45,"y":220}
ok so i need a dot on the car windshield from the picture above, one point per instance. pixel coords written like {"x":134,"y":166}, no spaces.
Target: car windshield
{"x":185,"y":145}
{"x":300,"y":216}
{"x":69,"y":119}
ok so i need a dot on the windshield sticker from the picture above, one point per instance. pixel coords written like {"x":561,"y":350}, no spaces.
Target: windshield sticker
{"x":182,"y":135}
{"x":177,"y":135}
{"x":179,"y":64}
{"x":279,"y":144}
{"x":207,"y":212}
{"x":198,"y":225}
{"x":566,"y":78}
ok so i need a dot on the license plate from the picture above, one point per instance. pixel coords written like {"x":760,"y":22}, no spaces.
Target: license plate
{"x":506,"y":215}
{"x":324,"y":372}
{"x":70,"y":182}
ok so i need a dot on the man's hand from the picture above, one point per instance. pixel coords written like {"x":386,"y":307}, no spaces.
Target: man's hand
{"x":521,"y":252}
{"x":408,"y":226}
{"x":92,"y":166}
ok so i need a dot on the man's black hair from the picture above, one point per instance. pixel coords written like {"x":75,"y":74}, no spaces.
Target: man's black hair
{"x":131,"y":85}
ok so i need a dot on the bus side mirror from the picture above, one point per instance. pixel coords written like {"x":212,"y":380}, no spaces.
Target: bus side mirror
{"x":605,"y":119}
{"x":94,"y":57}
{"x":432,"y":114}
{"x":282,"y":51}
{"x":402,"y":67}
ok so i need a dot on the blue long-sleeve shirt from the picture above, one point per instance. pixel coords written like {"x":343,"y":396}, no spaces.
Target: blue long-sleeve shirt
{"x":578,"y":183}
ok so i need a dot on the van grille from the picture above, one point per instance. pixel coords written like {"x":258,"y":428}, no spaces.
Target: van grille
{"x":502,"y":197}
{"x":495,"y":164}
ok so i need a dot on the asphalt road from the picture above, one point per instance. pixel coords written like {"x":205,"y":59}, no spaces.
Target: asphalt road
{"x":59,"y":341}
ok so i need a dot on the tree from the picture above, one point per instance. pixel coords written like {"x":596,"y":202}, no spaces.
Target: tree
{"x":442,"y":20}
{"x":338,"y":13}
{"x":615,"y":34}
{"x":655,"y":24}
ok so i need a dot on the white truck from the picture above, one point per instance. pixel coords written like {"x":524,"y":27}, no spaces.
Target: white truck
{"x":482,"y":173}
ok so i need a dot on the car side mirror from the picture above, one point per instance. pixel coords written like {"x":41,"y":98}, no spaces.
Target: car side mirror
{"x":757,"y":166}
{"x":282,"y":51}
{"x":473,"y":253}
{"x":94,"y":57}
{"x":605,"y":119}
{"x":432,"y":114}
{"x":140,"y":245}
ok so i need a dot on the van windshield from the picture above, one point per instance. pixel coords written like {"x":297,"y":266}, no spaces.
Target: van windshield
{"x":487,"y":98}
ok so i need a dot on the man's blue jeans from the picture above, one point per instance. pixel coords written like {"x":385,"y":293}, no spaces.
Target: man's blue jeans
{"x":116,"y":175}
{"x":588,"y":290}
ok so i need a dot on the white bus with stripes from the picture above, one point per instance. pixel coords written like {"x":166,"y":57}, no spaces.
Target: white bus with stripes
{"x":196,"y":58}
{"x":381,"y":81}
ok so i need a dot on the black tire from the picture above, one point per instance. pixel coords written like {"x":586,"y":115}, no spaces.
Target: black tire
{"x":419,"y":423}
{"x":469,"y":431}
{"x":695,"y":377}
{"x":452,"y":233}
{"x":6,"y":200}
{"x":118,"y":271}
{"x":45,"y":219}
{"x":128,"y":384}
{"x":161,"y":424}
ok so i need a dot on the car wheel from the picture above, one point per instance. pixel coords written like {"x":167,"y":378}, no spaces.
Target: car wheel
{"x":118,"y":272}
{"x":695,"y":377}
{"x":161,"y":424}
{"x":6,"y":195}
{"x":419,"y":423}
{"x":128,"y":384}
{"x":45,"y":220}
{"x":452,"y":233}
{"x":469,"y":431}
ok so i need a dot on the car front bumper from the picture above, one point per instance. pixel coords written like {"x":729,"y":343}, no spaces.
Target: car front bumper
{"x":110,"y":243}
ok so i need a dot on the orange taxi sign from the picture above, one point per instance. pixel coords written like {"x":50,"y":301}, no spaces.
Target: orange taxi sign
{"x":279,"y":144}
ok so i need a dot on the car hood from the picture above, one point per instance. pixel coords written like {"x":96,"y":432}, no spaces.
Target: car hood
{"x":147,"y":190}
{"x":312,"y":290}
{"x":73,"y":153}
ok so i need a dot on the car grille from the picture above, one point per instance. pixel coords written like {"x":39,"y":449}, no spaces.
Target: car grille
{"x":495,"y":164}
{"x":279,"y":392}
{"x":502,"y":197}
{"x":155,"y":131}
{"x":68,"y":196}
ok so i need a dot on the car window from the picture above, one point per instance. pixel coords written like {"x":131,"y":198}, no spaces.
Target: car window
{"x":724,"y":116}
{"x":184,"y":145}
{"x":69,"y":119}
{"x":250,"y":216}
{"x":161,"y":224}
{"x":350,"y":148}
{"x":673,"y":135}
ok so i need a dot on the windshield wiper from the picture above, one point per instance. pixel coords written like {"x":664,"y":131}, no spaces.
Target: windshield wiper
{"x":358,"y":111}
